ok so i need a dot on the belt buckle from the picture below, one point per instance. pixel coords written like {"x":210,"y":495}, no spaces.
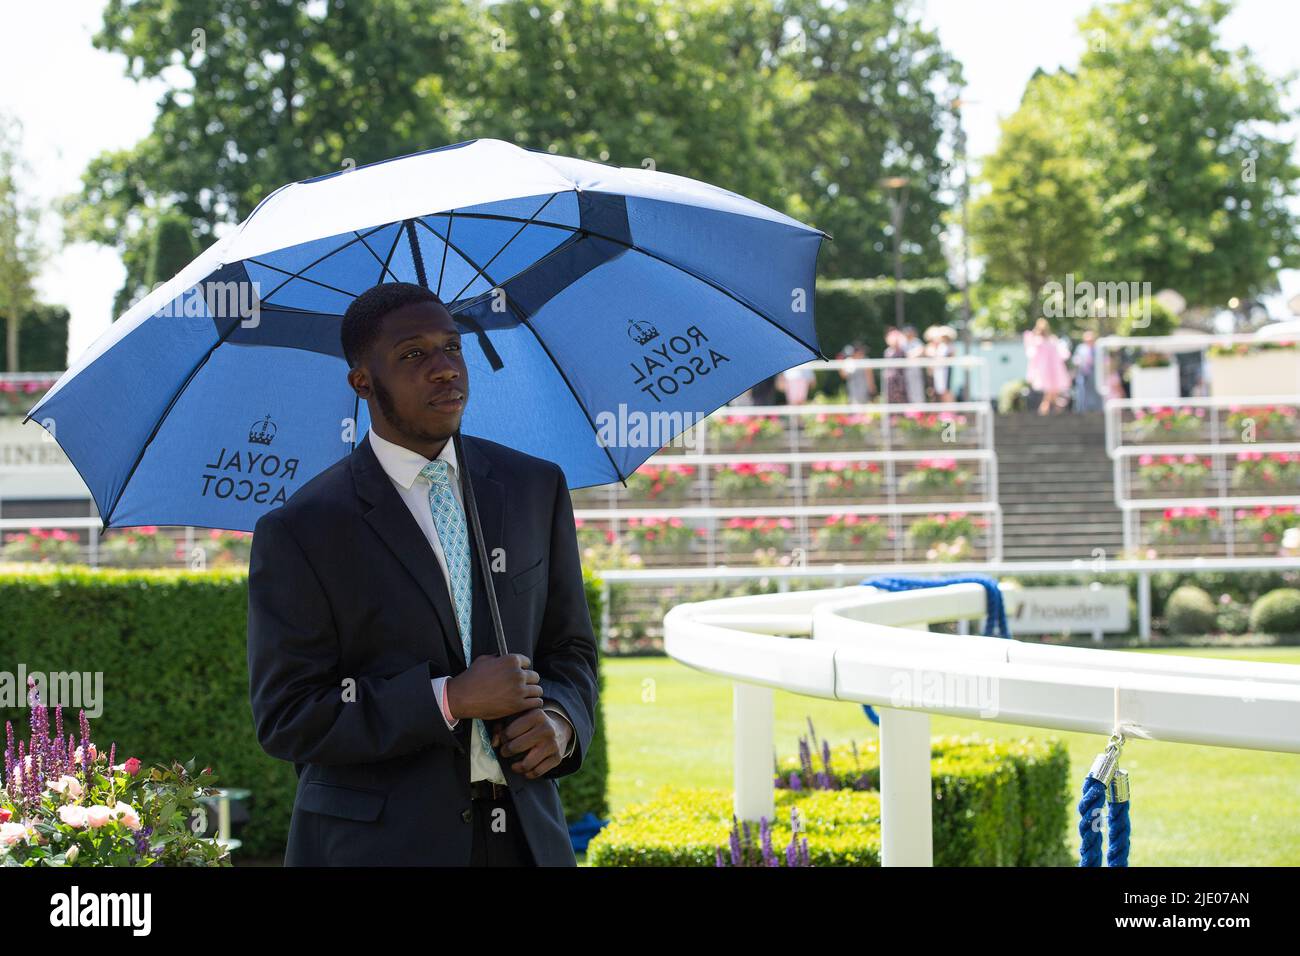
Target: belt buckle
{"x":489,"y":789}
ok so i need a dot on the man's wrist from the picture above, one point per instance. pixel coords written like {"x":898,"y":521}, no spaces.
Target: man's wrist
{"x":568,"y":732}
{"x":444,"y":703}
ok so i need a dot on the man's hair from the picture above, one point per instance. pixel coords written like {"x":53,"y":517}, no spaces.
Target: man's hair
{"x":363,"y":320}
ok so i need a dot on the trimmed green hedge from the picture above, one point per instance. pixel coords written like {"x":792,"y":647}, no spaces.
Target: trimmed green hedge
{"x":996,"y":803}
{"x":172,"y":648}
{"x":850,"y":309}
{"x":686,"y":827}
{"x":1191,"y":610}
{"x":1277,"y":612}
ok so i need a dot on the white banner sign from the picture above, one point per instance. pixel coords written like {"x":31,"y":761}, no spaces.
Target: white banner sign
{"x":1068,"y":610}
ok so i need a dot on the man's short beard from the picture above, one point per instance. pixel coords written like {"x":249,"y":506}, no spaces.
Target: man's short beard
{"x":394,"y":417}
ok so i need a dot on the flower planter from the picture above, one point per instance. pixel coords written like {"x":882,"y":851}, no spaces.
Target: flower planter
{"x":1273,"y":372}
{"x":1148,"y":383}
{"x":746,"y":482}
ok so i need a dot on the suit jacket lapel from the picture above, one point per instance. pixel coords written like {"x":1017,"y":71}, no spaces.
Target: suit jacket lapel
{"x":393,"y":522}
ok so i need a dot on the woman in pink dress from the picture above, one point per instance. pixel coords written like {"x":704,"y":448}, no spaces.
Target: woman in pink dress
{"x":1047,"y":373}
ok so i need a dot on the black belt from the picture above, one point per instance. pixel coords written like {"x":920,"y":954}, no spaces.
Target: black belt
{"x":487,"y":790}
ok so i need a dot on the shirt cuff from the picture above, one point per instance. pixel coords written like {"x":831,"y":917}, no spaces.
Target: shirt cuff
{"x":554,"y":708}
{"x":440,"y":691}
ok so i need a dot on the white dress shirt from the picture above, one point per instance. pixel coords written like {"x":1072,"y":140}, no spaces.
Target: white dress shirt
{"x":403,"y":467}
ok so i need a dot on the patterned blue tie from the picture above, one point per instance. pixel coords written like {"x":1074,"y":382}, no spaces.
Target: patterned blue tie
{"x":449,"y":520}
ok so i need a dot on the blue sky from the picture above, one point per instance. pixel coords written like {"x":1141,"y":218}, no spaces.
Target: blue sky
{"x":75,"y":101}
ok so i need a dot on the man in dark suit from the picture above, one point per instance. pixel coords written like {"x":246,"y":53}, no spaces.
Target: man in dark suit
{"x":364,"y":594}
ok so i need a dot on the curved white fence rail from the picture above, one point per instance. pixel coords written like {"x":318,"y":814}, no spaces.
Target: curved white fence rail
{"x":861,"y":644}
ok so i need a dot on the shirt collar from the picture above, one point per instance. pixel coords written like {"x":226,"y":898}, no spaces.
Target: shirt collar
{"x":404,"y":465}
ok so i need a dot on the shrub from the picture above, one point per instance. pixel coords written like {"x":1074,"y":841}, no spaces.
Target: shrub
{"x":996,"y":803}
{"x":687,"y":827}
{"x":1233,"y":618}
{"x":1277,"y":612}
{"x":1190,"y":610}
{"x":1162,"y":321}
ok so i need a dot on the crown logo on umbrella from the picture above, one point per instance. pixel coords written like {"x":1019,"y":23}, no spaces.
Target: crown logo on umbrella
{"x":641,"y":332}
{"x":262,"y":432}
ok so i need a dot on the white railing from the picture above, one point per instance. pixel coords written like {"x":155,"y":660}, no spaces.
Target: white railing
{"x":897,"y":443}
{"x":1192,"y":501}
{"x":1179,"y":343}
{"x":865,"y":648}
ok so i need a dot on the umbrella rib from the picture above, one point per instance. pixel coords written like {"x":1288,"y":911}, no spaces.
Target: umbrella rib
{"x":464,"y":255}
{"x":163,"y":417}
{"x":299,"y":273}
{"x":524,"y":318}
{"x":524,"y":225}
{"x":442,"y":269}
{"x":383,"y":266}
{"x":668,"y":262}
{"x":397,"y":237}
{"x":292,"y":276}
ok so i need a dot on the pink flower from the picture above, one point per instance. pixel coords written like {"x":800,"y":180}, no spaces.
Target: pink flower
{"x":11,"y":833}
{"x":67,"y":784}
{"x":74,"y":815}
{"x":98,"y":815}
{"x":132,"y":766}
{"x":127,"y":816}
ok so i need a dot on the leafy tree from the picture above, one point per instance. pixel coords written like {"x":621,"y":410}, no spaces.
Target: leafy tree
{"x":1038,"y":219}
{"x":264,"y":94}
{"x":1194,"y":185}
{"x":873,"y":100}
{"x":171,"y":248}
{"x":798,"y":106}
{"x":20,"y":250}
{"x":44,"y":340}
{"x":1157,"y":162}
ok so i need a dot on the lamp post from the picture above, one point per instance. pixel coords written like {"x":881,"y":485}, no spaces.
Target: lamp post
{"x":899,"y":186}
{"x":957,"y":104}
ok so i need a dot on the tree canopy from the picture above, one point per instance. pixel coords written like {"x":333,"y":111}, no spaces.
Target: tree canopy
{"x":797,"y":105}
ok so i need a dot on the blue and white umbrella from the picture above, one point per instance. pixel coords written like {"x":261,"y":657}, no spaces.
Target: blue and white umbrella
{"x":603,"y":309}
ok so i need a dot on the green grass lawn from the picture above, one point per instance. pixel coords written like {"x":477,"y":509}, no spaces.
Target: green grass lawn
{"x":1192,"y":806}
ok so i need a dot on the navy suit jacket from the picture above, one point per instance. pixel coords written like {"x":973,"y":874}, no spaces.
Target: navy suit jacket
{"x":349,"y":619}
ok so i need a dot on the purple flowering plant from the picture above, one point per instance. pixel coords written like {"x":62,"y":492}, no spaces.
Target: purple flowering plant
{"x":821,"y":775}
{"x":63,"y":802}
{"x":743,"y":852}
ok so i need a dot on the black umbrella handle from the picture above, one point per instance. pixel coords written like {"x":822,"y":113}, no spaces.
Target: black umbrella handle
{"x":471,"y":511}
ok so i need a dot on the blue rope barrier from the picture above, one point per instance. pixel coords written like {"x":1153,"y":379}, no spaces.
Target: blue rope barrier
{"x":1117,"y":821}
{"x":1105,"y":782}
{"x":1090,"y":806}
{"x":995,"y":624}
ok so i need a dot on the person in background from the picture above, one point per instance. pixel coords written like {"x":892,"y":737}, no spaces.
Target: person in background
{"x":914,"y":377}
{"x":796,"y":383}
{"x":1047,"y":373}
{"x":940,"y":339}
{"x":859,"y":381}
{"x":895,"y":390}
{"x":1084,"y":361}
